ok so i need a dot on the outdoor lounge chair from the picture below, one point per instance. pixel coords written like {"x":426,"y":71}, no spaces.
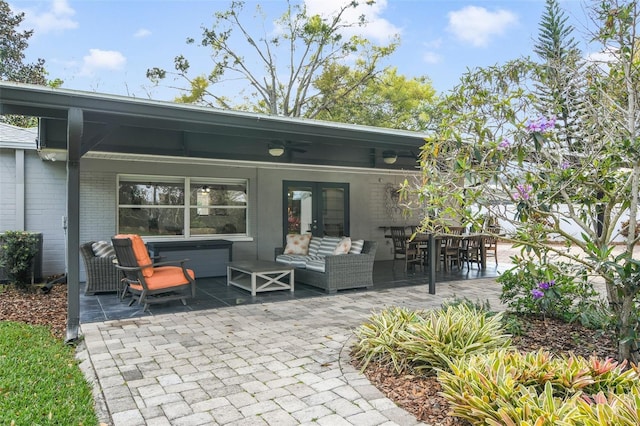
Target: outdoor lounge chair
{"x":151,"y":282}
{"x":102,"y":276}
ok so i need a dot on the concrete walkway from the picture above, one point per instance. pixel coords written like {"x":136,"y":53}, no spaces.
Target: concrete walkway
{"x":284,"y":363}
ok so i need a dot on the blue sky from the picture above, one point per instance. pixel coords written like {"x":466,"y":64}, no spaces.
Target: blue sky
{"x":107,"y":45}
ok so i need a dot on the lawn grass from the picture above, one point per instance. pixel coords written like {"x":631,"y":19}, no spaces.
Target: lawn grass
{"x":40,"y":380}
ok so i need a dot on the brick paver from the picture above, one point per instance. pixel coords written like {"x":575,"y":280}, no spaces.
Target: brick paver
{"x":282,"y":363}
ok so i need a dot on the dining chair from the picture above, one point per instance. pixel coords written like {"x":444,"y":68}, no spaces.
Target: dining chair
{"x":451,"y":245}
{"x":405,"y":249}
{"x":491,"y":242}
{"x":150,"y":282}
{"x":470,"y":252}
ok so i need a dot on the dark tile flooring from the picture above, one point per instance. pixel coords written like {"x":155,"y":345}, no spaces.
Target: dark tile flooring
{"x":214,"y":292}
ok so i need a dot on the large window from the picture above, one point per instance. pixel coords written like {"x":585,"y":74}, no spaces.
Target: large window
{"x":188,"y":207}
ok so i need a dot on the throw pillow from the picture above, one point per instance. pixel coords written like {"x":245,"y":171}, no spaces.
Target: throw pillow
{"x":343,"y":246}
{"x":356,"y":247}
{"x":328,"y":245}
{"x":103,"y":249}
{"x":314,"y":245}
{"x":297,"y":244}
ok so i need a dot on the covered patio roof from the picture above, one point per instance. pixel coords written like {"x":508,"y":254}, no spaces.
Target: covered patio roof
{"x":138,"y":126}
{"x":83,"y":122}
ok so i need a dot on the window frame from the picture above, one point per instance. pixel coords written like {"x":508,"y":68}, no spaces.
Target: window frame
{"x":186,"y":206}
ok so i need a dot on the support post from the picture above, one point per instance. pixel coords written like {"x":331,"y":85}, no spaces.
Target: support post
{"x":433,"y":258}
{"x":75,"y":123}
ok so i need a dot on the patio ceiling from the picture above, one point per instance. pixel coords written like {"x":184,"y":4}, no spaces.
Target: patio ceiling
{"x":117,"y":124}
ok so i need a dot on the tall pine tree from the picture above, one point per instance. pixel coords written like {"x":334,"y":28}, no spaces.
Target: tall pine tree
{"x":559,"y":73}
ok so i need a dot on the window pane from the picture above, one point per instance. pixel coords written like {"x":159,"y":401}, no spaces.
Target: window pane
{"x":218,"y":194}
{"x":219,"y":221}
{"x":151,"y":221}
{"x":151,"y":193}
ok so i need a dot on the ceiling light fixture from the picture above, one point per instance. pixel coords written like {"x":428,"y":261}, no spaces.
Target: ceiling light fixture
{"x":276,"y":150}
{"x":389,"y":157}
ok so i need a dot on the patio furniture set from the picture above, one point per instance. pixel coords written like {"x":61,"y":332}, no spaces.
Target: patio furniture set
{"x":455,"y":247}
{"x":125,"y":267}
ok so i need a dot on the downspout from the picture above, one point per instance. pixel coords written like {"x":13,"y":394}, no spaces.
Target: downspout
{"x":75,"y":124}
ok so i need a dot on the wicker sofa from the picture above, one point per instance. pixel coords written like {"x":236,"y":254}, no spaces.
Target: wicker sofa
{"x":102,"y":275}
{"x":340,"y":271}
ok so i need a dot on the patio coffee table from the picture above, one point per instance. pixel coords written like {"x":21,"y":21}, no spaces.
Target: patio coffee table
{"x":260,"y":275}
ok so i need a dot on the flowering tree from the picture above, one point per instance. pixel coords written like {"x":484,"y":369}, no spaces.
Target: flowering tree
{"x":539,"y":163}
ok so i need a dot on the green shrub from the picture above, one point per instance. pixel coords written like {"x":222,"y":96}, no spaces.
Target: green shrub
{"x":420,"y":341}
{"x":552,"y":290}
{"x":16,"y":256}
{"x":508,"y":387}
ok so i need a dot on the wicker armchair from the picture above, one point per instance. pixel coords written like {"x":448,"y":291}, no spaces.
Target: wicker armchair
{"x":102,"y":275}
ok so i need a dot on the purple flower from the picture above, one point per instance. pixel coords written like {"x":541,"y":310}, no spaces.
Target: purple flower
{"x":541,"y":124}
{"x":505,"y":144}
{"x":523,"y":192}
{"x":537,"y":293}
{"x":565,"y":165}
{"x":544,"y":285}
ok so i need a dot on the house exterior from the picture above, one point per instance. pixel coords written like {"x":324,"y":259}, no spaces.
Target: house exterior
{"x":101,"y":165}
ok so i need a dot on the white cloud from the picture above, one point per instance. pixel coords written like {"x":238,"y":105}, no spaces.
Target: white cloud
{"x":58,"y":18}
{"x":102,"y":59}
{"x":431,"y":57}
{"x":142,"y":33}
{"x":476,"y":25}
{"x":376,"y":28}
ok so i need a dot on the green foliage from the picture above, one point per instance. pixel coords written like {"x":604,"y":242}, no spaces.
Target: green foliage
{"x":547,"y":148}
{"x":565,"y":294}
{"x":40,"y":381}
{"x":419,"y":341}
{"x":387,"y":100}
{"x":18,"y":249}
{"x":511,"y":388}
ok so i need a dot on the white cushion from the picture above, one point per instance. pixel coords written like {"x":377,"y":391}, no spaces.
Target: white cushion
{"x":297,"y":244}
{"x":343,"y":246}
{"x":103,"y":249}
{"x":328,"y":245}
{"x":356,"y":246}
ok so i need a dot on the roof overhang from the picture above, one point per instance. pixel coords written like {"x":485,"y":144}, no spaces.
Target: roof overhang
{"x":138,"y":126}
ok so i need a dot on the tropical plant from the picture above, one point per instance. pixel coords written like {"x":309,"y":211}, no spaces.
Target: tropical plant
{"x":512,"y":388}
{"x":421,"y":341}
{"x":504,"y":149}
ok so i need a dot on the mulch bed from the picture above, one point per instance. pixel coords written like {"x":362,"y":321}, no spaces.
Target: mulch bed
{"x":35,"y":307}
{"x":419,"y":395}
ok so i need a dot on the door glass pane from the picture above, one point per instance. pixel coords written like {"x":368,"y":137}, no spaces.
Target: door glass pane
{"x":333,"y":203}
{"x":299,"y":210}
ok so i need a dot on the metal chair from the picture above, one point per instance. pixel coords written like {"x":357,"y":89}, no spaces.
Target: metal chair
{"x":405,"y":249}
{"x":151,"y":282}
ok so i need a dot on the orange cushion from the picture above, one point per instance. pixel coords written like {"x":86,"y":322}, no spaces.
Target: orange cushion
{"x":166,"y":277}
{"x":140,"y":252}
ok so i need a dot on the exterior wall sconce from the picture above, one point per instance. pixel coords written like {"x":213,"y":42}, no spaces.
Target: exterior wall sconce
{"x":389,"y":157}
{"x":276,"y":150}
